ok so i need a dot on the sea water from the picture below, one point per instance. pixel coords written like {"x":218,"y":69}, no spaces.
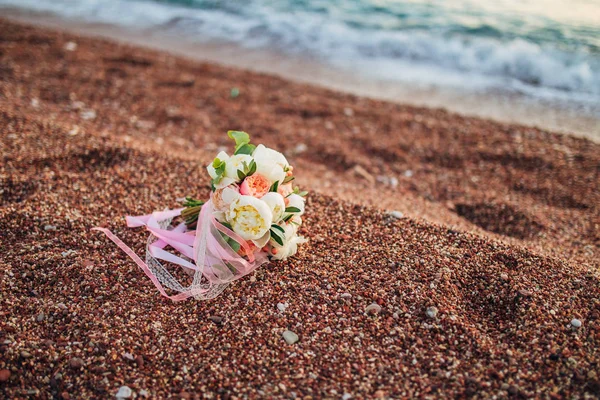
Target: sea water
{"x":546,"y":51}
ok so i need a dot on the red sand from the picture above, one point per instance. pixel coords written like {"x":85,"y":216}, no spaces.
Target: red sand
{"x":501,"y":235}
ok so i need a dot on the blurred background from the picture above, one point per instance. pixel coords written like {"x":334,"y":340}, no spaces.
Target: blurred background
{"x":535,"y":62}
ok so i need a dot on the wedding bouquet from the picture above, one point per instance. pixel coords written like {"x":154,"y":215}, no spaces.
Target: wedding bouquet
{"x":253,"y":215}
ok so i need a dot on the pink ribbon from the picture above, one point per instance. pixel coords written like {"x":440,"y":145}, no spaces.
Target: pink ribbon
{"x":212,"y":255}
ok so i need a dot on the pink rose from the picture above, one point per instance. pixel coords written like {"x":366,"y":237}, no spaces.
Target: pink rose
{"x":255,"y":185}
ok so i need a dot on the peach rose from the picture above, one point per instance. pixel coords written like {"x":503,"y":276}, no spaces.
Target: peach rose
{"x":255,"y":185}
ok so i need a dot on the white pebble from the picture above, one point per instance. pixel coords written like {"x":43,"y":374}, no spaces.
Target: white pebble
{"x":396,"y":214}
{"x":124,"y":392}
{"x":70,"y":46}
{"x":345,"y":295}
{"x":290,"y":337}
{"x":432,"y":312}
{"x":373,"y":308}
{"x":576,"y":323}
{"x":88,"y":115}
{"x":282,"y":306}
{"x":49,"y":227}
{"x":300,"y":148}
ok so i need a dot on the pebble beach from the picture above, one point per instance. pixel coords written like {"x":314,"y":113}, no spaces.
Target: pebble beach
{"x":448,"y":256}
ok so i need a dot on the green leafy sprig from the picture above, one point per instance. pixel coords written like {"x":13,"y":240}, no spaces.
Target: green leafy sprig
{"x":242,"y":142}
{"x":277,"y":234}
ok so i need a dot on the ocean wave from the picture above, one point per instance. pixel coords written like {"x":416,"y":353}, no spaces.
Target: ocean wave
{"x":480,"y":51}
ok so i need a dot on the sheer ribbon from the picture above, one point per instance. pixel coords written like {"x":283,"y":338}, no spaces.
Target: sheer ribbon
{"x":207,"y":252}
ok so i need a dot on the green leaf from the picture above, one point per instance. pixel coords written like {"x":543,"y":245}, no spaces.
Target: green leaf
{"x":245,"y":149}
{"x":276,"y":238}
{"x":241,"y":175}
{"x":279,"y":228}
{"x":274,"y":187}
{"x":240,"y":137}
{"x":234,"y":244}
{"x":303,"y":193}
{"x":288,"y":217}
{"x":292,"y":209}
{"x":288,"y":179}
{"x":252,"y":167}
{"x":242,"y":142}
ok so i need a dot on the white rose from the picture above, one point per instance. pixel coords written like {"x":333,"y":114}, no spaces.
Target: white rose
{"x":222,"y":198}
{"x":289,"y":248}
{"x":235,"y":163}
{"x":270,"y":163}
{"x":297,"y":202}
{"x":249,"y":217}
{"x":276,"y":203}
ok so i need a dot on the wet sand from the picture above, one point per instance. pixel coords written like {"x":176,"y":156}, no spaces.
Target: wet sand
{"x":479,"y":275}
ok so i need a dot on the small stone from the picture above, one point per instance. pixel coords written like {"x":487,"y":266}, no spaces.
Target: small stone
{"x":348,"y":112}
{"x":345,"y":295}
{"x":49,"y":228}
{"x":432,"y":312}
{"x":300,"y":148}
{"x":124,"y":392}
{"x":282,"y":306}
{"x":25,"y":354}
{"x":396,"y":214}
{"x":373,"y":308}
{"x":576,"y":323}
{"x":408,"y":173}
{"x":216,"y":319}
{"x":504,"y":277}
{"x":145,"y":125}
{"x":128,"y":356}
{"x":346,"y":396}
{"x":40,"y":317}
{"x":524,"y":293}
{"x":4,"y":375}
{"x":76,"y":363}
{"x":144,"y":393}
{"x":380,"y":394}
{"x":290,"y":337}
{"x":139,"y":360}
{"x":35,"y":103}
{"x":62,"y":306}
{"x":70,"y":46}
{"x":88,"y":115}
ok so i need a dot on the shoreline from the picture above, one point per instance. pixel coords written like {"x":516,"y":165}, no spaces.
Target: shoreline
{"x":500,"y":107}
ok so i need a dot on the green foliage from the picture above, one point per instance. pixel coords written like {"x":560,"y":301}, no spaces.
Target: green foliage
{"x":247,"y":170}
{"x":242,"y":142}
{"x":274,"y":187}
{"x":276,"y":235}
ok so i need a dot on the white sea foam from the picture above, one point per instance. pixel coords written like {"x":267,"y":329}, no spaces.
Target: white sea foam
{"x":420,"y":56}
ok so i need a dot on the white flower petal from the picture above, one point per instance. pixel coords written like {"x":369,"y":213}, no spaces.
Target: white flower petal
{"x":276,"y":203}
{"x":249,"y":217}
